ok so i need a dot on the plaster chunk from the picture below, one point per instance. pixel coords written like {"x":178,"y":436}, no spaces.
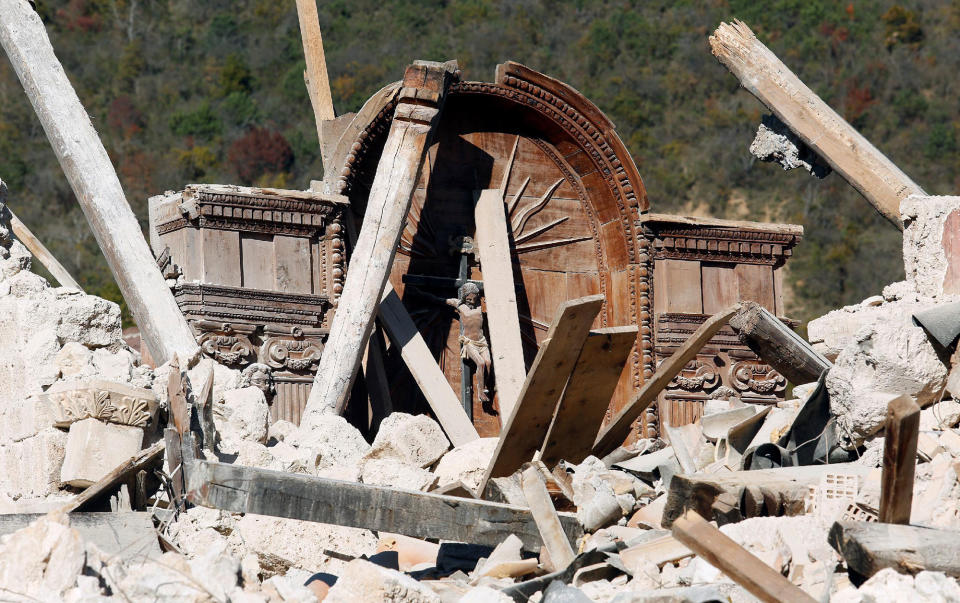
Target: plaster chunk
{"x":75,"y":361}
{"x":395,"y":474}
{"x":242,"y":416}
{"x":931,"y":243}
{"x":363,"y":582}
{"x":416,"y":440}
{"x":466,"y":464}
{"x":114,"y":366}
{"x":42,"y":560}
{"x":94,"y":448}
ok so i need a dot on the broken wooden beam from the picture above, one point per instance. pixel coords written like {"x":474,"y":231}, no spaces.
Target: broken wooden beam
{"x":419,"y":514}
{"x":545,"y":516}
{"x":618,"y":428}
{"x":778,"y":345}
{"x":746,"y":569}
{"x":762,"y":492}
{"x":524,"y":430}
{"x":143,"y":459}
{"x":318,"y":83}
{"x":421,"y":99}
{"x":587,"y":396}
{"x":423,"y":367}
{"x":94,"y":181}
{"x":500,"y":290}
{"x":821,"y":128}
{"x":869,"y":547}
{"x":899,"y":460}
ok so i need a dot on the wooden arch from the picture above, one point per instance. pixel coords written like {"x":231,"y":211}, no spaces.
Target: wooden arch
{"x":573,"y":196}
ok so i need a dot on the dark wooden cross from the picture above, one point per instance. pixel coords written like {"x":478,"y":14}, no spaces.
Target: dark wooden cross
{"x":465,"y":247}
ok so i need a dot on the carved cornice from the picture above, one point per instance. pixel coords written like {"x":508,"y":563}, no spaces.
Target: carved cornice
{"x":269,"y":211}
{"x":102,"y":400}
{"x":237,"y":305}
{"x":741,"y":243}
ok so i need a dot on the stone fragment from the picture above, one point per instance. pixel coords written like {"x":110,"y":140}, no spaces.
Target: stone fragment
{"x":414,"y":439}
{"x":94,"y":448}
{"x":217,"y":571}
{"x":364,"y":582}
{"x":888,"y":585}
{"x":75,"y":361}
{"x":165,"y":580}
{"x":332,"y":439}
{"x":466,"y":463}
{"x":31,"y":467}
{"x":775,"y":142}
{"x":942,"y":415}
{"x":484,"y":594}
{"x":113,"y":366}
{"x":87,"y":319}
{"x":603,"y":496}
{"x":289,"y":589}
{"x":394,"y":473}
{"x":242,"y":416}
{"x":279,"y":430}
{"x":42,"y":560}
{"x":931,"y":243}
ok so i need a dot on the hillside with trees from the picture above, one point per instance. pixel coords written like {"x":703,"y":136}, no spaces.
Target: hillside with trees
{"x":185,"y":91}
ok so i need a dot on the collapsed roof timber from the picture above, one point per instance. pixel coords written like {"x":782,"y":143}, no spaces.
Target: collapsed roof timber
{"x":481,"y":267}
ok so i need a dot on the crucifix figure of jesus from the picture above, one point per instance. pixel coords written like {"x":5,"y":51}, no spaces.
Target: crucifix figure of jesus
{"x":473,"y":343}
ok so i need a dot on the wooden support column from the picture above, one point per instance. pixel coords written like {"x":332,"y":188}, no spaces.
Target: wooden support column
{"x":499,"y":289}
{"x":619,"y":427}
{"x":747,"y":570}
{"x":424,"y":88}
{"x":94,"y":182}
{"x":899,"y":460}
{"x":821,"y":128}
{"x":416,"y":355}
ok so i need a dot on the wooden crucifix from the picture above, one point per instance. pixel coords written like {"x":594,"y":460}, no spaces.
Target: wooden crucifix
{"x":471,"y":319}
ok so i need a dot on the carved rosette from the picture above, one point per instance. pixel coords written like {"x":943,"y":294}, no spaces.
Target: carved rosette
{"x":226,"y":343}
{"x":102,"y":400}
{"x":752,"y":377}
{"x":293,"y":348}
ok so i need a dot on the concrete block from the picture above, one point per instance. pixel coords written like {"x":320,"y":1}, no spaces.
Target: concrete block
{"x":931,"y":243}
{"x":94,"y":448}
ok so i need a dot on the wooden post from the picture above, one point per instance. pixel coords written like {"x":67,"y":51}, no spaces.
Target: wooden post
{"x":747,"y":570}
{"x":524,"y":430}
{"x":899,"y":460}
{"x":619,"y":427}
{"x":94,"y":182}
{"x":545,"y":516}
{"x":503,"y":319}
{"x":777,"y":345}
{"x":868,"y":170}
{"x":416,"y":355}
{"x":587,"y":396}
{"x":425,"y":85}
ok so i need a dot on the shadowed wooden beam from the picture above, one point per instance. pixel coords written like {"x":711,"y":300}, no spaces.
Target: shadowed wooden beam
{"x":869,"y":547}
{"x":777,"y":344}
{"x":619,"y":427}
{"x":821,"y":128}
{"x":419,"y":514}
{"x":526,"y":427}
{"x":899,"y":460}
{"x":421,"y":98}
{"x":587,"y":396}
{"x":746,"y":569}
{"x":94,"y":181}
{"x":500,"y":290}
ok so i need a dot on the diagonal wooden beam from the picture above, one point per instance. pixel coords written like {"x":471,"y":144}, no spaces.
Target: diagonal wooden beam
{"x":421,"y":99}
{"x":500,"y":290}
{"x":91,"y":175}
{"x":433,"y":383}
{"x":524,"y":429}
{"x":318,"y":83}
{"x":587,"y":396}
{"x":619,"y":427}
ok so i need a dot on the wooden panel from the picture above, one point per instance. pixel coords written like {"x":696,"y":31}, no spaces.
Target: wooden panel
{"x":545,"y":291}
{"x":588,"y":394}
{"x":756,"y":284}
{"x":524,"y":431}
{"x":192,"y":259}
{"x":581,"y":284}
{"x":614,"y":245}
{"x":720,"y":287}
{"x":293,"y":259}
{"x":259,"y":261}
{"x":221,"y":257}
{"x":779,"y":309}
{"x":677,"y":287}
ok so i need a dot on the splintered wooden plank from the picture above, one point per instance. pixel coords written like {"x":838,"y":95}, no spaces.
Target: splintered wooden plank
{"x":94,"y":182}
{"x":433,"y":383}
{"x":619,"y":427}
{"x":526,"y":427}
{"x":318,"y":84}
{"x":418,"y":108}
{"x":821,"y":128}
{"x":587,"y":396}
{"x":499,"y":289}
{"x":546,"y":517}
{"x":746,"y":569}
{"x":869,"y":547}
{"x":419,"y":514}
{"x":899,"y":460}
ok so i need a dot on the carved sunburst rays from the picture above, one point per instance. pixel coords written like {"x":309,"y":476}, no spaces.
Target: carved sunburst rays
{"x":519,"y":216}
